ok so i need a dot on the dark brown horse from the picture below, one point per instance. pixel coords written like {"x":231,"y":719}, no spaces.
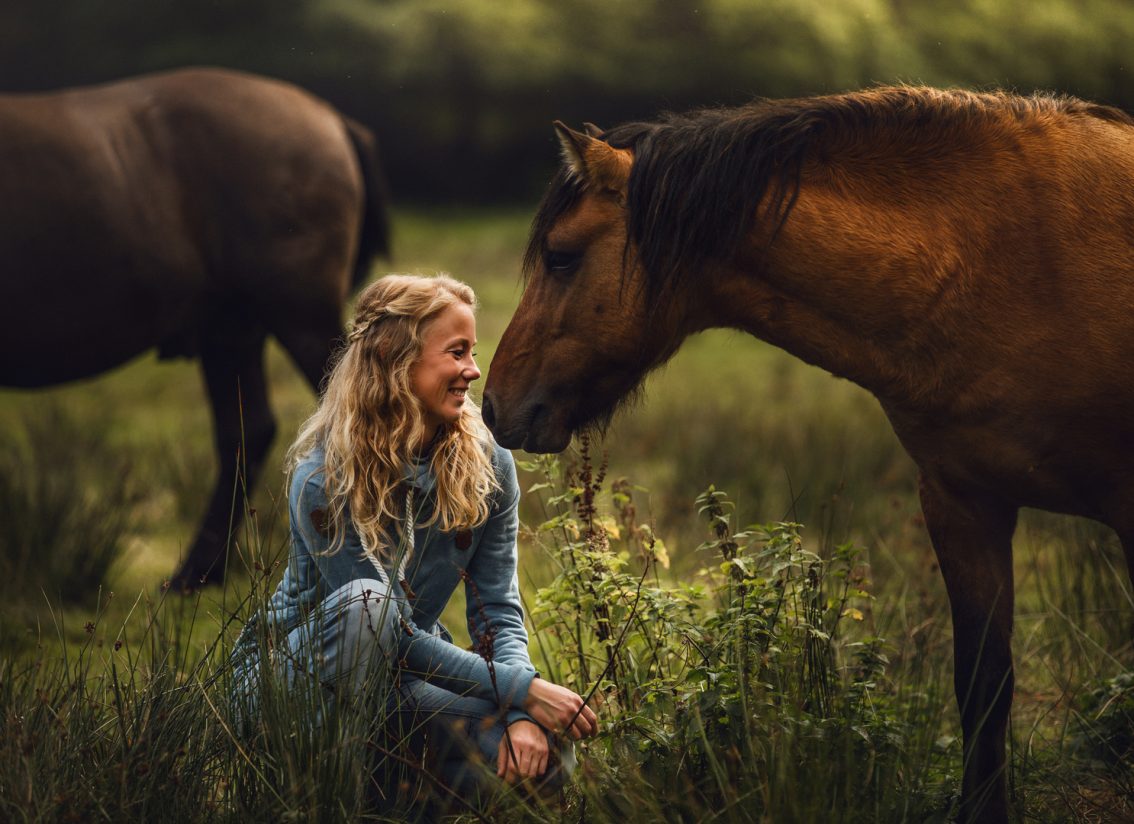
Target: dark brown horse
{"x":198,"y":211}
{"x":968,"y":258}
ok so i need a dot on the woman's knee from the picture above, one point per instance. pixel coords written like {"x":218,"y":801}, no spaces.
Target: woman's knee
{"x":365,"y":618}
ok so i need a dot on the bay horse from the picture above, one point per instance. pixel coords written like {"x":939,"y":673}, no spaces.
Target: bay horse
{"x":968,"y":258}
{"x":196,"y":211}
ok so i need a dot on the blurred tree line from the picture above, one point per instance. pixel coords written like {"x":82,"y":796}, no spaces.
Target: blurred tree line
{"x":462,"y":92}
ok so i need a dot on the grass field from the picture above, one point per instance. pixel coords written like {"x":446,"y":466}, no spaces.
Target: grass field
{"x":786,"y":442}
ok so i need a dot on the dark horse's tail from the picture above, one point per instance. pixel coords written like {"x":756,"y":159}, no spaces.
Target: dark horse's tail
{"x":375,"y":237}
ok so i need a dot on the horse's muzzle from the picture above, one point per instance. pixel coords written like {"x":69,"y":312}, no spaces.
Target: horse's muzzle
{"x":531,"y":426}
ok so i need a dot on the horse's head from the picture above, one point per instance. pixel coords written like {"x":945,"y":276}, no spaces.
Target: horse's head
{"x":586,"y":330}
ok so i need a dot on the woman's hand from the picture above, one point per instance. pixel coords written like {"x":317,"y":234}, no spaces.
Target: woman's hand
{"x":529,"y":746}
{"x":560,"y":710}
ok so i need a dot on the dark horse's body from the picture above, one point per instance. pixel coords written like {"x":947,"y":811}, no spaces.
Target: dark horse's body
{"x":967,"y":258}
{"x":197,"y":211}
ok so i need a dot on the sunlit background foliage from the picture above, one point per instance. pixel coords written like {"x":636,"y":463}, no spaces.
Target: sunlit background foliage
{"x":462,"y":91}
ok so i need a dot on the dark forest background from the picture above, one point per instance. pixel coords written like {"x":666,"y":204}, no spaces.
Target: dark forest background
{"x":462,"y":92}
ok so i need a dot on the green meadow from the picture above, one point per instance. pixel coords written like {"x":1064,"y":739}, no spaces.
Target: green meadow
{"x":776,"y":649}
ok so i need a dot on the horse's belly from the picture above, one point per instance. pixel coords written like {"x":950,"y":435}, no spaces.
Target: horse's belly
{"x":60,"y":321}
{"x":53,"y":354}
{"x":1074,"y":462}
{"x":81,"y":294}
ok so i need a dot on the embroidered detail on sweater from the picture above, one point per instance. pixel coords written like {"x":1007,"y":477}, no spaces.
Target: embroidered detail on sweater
{"x":319,"y":521}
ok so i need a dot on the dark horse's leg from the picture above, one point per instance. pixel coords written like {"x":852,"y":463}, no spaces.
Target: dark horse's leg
{"x":973,"y":540}
{"x":233,"y":367}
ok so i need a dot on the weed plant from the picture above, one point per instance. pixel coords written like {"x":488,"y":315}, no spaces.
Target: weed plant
{"x":757,"y":691}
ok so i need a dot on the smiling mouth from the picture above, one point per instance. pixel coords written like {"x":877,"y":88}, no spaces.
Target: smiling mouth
{"x":459,"y":393}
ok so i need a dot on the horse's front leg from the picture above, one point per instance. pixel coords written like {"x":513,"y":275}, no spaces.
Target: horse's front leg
{"x":973,"y":540}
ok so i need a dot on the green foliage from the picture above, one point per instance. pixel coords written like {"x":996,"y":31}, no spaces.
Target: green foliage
{"x":724,"y":694}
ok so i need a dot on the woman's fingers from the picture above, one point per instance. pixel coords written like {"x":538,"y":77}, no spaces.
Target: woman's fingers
{"x":560,"y":709}
{"x":588,"y":715}
{"x":513,"y":767}
{"x":523,"y":752}
{"x":583,"y":722}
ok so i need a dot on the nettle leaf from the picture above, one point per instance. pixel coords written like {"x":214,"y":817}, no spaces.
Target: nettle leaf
{"x":610,"y":526}
{"x":780,"y":566}
{"x":555,"y":522}
{"x":568,"y":496}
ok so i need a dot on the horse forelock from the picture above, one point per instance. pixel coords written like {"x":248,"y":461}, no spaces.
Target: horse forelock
{"x":683,"y":166}
{"x":698,"y":177}
{"x":562,"y":194}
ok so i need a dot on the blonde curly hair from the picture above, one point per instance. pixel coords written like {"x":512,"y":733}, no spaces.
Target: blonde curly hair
{"x":369,"y":421}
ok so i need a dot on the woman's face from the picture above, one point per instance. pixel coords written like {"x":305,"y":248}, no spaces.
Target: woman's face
{"x":441,"y":376}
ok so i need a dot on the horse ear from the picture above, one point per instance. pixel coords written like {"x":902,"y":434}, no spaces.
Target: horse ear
{"x":592,"y":160}
{"x":573,"y":146}
{"x":592,"y":130}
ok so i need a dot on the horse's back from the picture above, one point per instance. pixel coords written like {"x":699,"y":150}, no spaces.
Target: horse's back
{"x":131,"y":212}
{"x":280,"y":168}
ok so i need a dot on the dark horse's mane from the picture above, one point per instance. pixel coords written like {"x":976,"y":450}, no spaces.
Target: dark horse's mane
{"x":697,"y":177}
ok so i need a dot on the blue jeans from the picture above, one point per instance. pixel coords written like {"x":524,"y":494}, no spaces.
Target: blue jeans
{"x":349,"y":648}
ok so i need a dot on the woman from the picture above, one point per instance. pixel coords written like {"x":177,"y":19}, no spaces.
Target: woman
{"x":398,"y":493}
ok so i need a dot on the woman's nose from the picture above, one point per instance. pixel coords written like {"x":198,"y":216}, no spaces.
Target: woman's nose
{"x":471,"y":371}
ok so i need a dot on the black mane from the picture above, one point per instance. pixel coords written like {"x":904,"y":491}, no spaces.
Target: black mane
{"x":697,"y":177}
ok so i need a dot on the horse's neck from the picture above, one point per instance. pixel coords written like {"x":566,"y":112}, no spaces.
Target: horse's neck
{"x":854,"y":290}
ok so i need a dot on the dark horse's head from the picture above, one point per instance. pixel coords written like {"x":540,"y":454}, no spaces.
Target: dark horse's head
{"x":619,"y":266}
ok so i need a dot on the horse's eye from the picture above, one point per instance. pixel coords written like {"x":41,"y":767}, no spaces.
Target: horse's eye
{"x":562,"y":263}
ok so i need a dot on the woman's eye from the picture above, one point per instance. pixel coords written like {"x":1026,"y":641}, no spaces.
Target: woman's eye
{"x":562,"y":263}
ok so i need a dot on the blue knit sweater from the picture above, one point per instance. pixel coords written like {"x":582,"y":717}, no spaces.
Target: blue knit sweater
{"x":487,"y":554}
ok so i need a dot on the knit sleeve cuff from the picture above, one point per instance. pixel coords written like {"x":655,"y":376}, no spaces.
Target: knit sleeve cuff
{"x":517,"y":692}
{"x":512,"y":716}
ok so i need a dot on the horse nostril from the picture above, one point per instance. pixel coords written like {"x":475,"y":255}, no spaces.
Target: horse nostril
{"x":487,"y":413}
